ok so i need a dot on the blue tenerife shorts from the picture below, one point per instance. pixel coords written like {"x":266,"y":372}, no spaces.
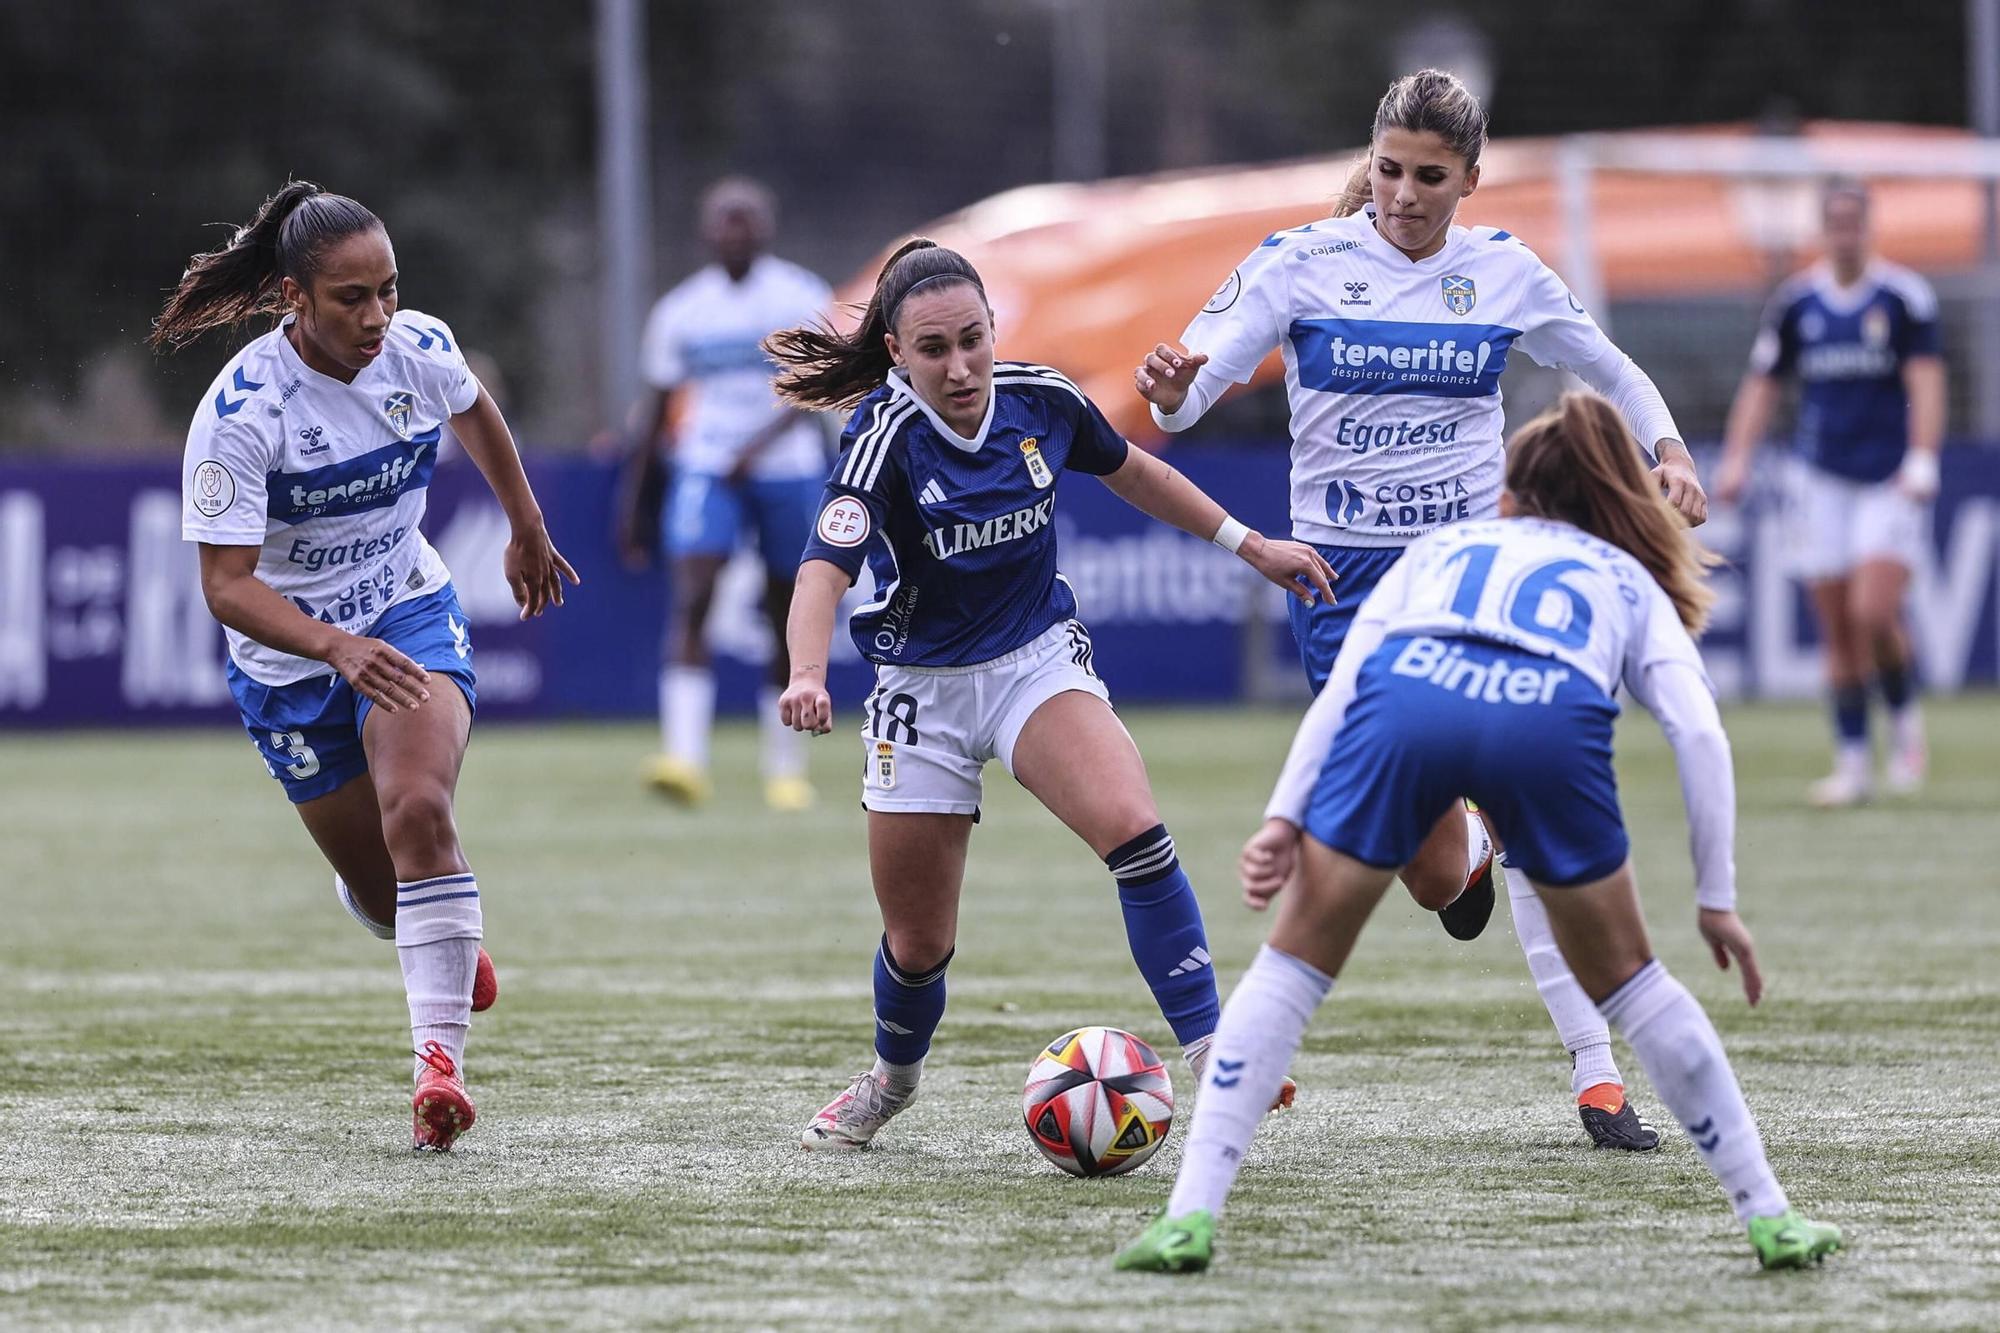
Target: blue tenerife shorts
{"x":1320,"y":630}
{"x":706,"y":515}
{"x":309,"y":732}
{"x":1437,"y":719}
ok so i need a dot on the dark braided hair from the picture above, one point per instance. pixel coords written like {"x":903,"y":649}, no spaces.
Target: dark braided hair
{"x":824,"y":369}
{"x":286,"y":239}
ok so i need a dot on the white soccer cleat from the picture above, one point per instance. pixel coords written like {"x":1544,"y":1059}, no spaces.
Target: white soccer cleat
{"x":851,"y":1121}
{"x":1840,"y":789}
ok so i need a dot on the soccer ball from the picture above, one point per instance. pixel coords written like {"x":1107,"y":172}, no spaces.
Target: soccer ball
{"x":1098,"y":1102}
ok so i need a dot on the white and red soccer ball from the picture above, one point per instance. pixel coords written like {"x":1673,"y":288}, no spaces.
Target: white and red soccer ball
{"x":1098,"y":1102}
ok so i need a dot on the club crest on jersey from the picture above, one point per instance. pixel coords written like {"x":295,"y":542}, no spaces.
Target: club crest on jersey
{"x":1875,"y":327}
{"x":1038,"y":468}
{"x":885,"y":765}
{"x":1459,"y":293}
{"x":397,"y":407}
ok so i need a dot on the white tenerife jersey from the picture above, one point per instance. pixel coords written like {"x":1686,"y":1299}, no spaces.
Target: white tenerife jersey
{"x":707,"y":335}
{"x":1393,"y":368}
{"x":1541,"y":586}
{"x":329,"y":478}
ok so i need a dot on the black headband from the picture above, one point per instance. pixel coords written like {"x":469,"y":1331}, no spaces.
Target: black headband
{"x":889,"y":315}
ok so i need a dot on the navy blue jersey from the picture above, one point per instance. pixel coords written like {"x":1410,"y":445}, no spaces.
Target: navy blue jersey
{"x":959,"y":533}
{"x":1847,"y":345}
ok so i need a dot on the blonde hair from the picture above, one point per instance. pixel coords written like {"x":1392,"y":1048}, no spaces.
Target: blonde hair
{"x":1435,"y":101}
{"x":1578,"y":463}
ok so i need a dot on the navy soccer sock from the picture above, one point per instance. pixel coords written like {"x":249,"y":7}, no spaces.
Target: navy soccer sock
{"x":908,"y":1008}
{"x":1163,"y":926}
{"x":1850,"y":715}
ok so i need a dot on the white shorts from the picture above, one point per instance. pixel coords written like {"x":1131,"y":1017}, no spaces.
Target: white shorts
{"x":1838,"y":524}
{"x":927,"y":732}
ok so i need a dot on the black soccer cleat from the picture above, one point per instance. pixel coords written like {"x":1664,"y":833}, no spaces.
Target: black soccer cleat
{"x":1611,"y":1122}
{"x":1465,"y":917}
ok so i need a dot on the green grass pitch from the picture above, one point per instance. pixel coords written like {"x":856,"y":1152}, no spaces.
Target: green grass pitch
{"x":203,"y":1078}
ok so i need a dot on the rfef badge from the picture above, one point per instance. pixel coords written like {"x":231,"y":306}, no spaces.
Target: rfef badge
{"x":1038,"y":467}
{"x":885,"y":765}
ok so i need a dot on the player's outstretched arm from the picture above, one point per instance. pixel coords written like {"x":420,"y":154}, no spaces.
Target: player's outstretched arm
{"x":535,"y":568}
{"x":805,"y":705}
{"x":1160,"y":491}
{"x":1749,"y":417}
{"x":250,"y":606}
{"x":1678,"y":696}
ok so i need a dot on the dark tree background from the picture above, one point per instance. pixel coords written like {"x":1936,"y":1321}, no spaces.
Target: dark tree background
{"x":126,"y":127}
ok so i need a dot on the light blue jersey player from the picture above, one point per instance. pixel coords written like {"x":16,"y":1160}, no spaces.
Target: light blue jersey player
{"x":745,"y":466}
{"x":1395,"y":326}
{"x":1487,"y":662}
{"x":1861,"y":336}
{"x":306,"y":471}
{"x":947,"y":486}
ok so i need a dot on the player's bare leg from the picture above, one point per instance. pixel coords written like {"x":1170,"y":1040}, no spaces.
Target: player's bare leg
{"x":1847,"y":667}
{"x":917,"y":862}
{"x":414,"y":756}
{"x":687,"y":684}
{"x":1878,"y":588}
{"x":346,"y":825}
{"x":1078,"y":760}
{"x":787,"y":788}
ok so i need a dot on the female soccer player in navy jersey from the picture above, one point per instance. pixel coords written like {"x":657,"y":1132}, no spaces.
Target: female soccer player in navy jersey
{"x":946,"y":488}
{"x":1861,"y":334}
{"x":1395,"y":326}
{"x":1484,"y":663}
{"x":304,"y":482}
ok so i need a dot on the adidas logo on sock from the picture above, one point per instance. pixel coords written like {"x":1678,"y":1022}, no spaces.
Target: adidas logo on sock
{"x":896,"y":1028}
{"x":932,"y":493}
{"x":1194,"y":962}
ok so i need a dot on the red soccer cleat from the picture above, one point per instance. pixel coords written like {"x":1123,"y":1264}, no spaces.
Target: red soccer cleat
{"x":443,"y":1111}
{"x":485,"y":984}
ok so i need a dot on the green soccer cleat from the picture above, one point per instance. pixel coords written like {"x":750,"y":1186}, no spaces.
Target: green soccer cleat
{"x":1171,"y":1245}
{"x":1791,"y":1241}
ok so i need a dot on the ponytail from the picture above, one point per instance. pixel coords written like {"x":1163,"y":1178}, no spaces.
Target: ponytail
{"x":1578,"y":463}
{"x":286,"y":239}
{"x":1354,"y":195}
{"x":824,"y":369}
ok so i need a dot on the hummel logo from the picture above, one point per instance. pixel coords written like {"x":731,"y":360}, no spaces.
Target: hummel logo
{"x":313,"y":444}
{"x":1228,"y":1073}
{"x":1705,"y":1135}
{"x":932,"y":493}
{"x":1194,"y":962}
{"x":458,"y":637}
{"x":1357,"y":293}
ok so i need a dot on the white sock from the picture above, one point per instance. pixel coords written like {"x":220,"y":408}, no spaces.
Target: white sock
{"x":1854,"y":759}
{"x":368,"y":923}
{"x":1579,"y":1025}
{"x":1260,"y":1031}
{"x":1477,"y":845}
{"x":438,"y":927}
{"x":899,"y":1079}
{"x":687,"y":712}
{"x":784,"y":749}
{"x":1682,"y":1055}
{"x":1906,"y":727}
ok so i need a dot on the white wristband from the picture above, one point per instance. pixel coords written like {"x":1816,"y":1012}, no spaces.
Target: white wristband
{"x":1230,"y":535}
{"x":1920,"y":472}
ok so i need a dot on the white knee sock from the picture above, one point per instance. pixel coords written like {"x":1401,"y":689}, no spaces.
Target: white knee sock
{"x":687,"y":712}
{"x":1579,"y":1025}
{"x":1477,"y":845}
{"x":1682,"y":1055}
{"x":784,"y":749}
{"x":1261,"y":1027}
{"x":438,"y":926}
{"x":368,"y":923}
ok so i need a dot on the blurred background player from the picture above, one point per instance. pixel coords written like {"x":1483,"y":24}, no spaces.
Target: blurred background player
{"x":740,"y":461}
{"x":1484,"y":662}
{"x":304,"y":482}
{"x":1861,"y":335}
{"x":1395,"y":326}
{"x":946,"y":489}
